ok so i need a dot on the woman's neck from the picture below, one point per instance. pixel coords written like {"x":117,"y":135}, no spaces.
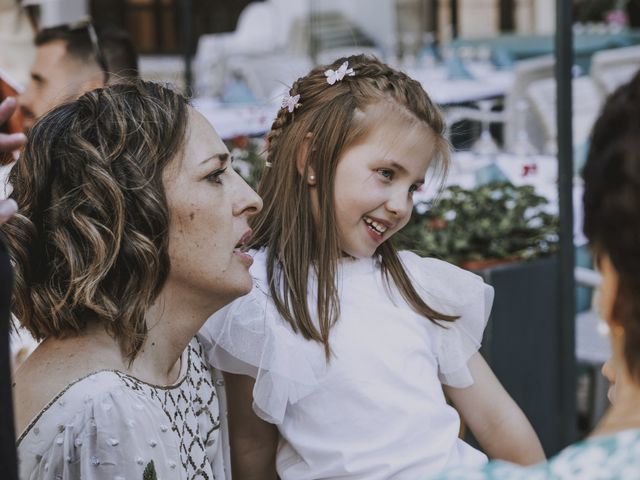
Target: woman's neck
{"x":624,"y":414}
{"x":172,"y":321}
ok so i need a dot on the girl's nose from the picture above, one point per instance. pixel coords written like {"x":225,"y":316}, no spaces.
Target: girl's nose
{"x":399,"y":203}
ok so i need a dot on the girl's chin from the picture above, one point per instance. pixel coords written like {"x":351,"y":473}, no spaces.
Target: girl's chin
{"x":358,"y":254}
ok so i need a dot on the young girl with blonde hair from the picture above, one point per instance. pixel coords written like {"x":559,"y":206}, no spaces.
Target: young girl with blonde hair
{"x":337,"y":359}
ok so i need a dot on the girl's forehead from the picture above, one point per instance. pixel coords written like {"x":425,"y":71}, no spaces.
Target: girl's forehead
{"x":387,"y":117}
{"x":396,"y":132}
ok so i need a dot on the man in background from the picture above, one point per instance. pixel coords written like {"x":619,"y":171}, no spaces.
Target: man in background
{"x":72,"y":60}
{"x":69,"y":61}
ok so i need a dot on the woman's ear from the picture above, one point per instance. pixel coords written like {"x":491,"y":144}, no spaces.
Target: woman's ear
{"x":302,"y":161}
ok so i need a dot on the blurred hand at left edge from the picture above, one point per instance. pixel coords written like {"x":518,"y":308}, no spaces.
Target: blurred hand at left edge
{"x":8,"y":143}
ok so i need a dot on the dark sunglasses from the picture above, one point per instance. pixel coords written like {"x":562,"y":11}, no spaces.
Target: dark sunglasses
{"x":97,"y":51}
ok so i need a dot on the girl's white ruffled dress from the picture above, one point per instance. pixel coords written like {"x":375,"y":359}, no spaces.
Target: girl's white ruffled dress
{"x":377,"y":409}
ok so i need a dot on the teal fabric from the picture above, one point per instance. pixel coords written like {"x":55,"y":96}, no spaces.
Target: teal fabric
{"x":502,"y":58}
{"x":488,"y":174}
{"x":237,"y":92}
{"x":508,"y":48}
{"x":456,"y":69}
{"x":612,"y":457}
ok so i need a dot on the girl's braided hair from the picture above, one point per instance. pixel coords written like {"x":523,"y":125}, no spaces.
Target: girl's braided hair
{"x":328,"y":120}
{"x":373,"y":80}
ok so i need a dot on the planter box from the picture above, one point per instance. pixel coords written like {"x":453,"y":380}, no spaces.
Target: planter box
{"x":521,"y":342}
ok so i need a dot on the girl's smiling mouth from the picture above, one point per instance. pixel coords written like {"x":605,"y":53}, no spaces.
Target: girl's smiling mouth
{"x":376,"y":227}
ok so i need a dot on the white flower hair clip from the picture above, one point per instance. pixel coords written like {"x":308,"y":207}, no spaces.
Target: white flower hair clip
{"x":290,"y":103}
{"x":334,"y":76}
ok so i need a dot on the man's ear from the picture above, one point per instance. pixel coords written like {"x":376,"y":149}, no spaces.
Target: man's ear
{"x":92,"y":84}
{"x":302,"y":160}
{"x":95,"y":79}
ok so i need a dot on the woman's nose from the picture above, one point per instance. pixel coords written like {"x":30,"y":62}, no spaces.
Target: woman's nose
{"x":248,"y":201}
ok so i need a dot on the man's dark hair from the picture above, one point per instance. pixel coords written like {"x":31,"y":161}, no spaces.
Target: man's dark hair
{"x":114,"y":44}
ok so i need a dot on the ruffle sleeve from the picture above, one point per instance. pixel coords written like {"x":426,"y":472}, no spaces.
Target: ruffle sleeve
{"x":100,"y":431}
{"x":454,"y":291}
{"x":249,"y":337}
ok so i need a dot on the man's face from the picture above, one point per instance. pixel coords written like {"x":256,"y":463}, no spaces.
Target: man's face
{"x":55,"y":78}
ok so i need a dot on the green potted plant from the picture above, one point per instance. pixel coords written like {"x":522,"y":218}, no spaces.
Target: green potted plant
{"x":487,"y":225}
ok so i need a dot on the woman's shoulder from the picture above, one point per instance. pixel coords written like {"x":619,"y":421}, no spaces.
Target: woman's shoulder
{"x":58,"y":377}
{"x":111,"y":419}
{"x":612,"y":457}
{"x":75,"y":397}
{"x":615,"y":454}
{"x":51,"y":369}
{"x":95,"y":425}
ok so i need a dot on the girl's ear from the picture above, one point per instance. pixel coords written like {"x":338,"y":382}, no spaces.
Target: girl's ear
{"x":302,"y":161}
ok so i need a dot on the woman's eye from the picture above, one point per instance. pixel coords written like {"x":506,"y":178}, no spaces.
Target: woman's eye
{"x":386,"y":173}
{"x":216,"y":176}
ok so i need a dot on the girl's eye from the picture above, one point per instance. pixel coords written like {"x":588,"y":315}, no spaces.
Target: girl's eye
{"x":386,"y":173}
{"x":215,"y":177}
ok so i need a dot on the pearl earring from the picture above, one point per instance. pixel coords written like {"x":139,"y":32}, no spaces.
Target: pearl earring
{"x":312,"y":178}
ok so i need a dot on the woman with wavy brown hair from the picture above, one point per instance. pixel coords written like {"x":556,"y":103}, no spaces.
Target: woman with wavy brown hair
{"x":128,"y":237}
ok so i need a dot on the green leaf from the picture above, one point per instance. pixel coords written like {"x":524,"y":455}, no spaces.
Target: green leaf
{"x":150,"y":472}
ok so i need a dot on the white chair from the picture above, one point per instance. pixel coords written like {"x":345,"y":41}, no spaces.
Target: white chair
{"x":331,"y":54}
{"x":268,"y":76}
{"x":516,"y":121}
{"x":163,"y":69}
{"x":525,"y":72}
{"x":257,"y":32}
{"x":331,"y":30}
{"x":587,"y":100}
{"x":612,"y":68}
